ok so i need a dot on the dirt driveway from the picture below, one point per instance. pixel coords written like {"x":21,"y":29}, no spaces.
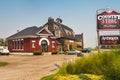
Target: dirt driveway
{"x":30,"y":67}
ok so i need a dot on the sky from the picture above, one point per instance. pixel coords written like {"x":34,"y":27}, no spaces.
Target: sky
{"x":80,"y":15}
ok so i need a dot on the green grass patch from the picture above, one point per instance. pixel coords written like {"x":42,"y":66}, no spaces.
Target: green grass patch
{"x":3,"y":64}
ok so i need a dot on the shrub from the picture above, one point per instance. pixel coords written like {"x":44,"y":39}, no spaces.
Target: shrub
{"x":62,"y":69}
{"x":73,"y":77}
{"x":105,"y":63}
{"x":70,"y":47}
{"x":113,"y":70}
{"x":54,"y":52}
{"x":37,"y":53}
{"x":70,"y":68}
{"x":67,"y":77}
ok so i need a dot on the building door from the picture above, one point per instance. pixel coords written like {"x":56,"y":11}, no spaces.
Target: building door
{"x":44,"y":46}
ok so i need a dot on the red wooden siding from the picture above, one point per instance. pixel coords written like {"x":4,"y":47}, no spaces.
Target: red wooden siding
{"x":27,"y":45}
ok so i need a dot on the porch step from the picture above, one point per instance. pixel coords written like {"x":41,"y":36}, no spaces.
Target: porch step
{"x":46,"y":53}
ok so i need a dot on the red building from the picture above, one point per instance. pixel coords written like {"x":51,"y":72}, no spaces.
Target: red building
{"x":50,"y":37}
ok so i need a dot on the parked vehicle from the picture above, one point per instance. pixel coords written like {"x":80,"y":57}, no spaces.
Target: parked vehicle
{"x":85,"y":50}
{"x":4,"y":51}
{"x":74,"y":52}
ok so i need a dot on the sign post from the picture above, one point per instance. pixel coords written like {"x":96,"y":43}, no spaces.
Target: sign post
{"x":98,"y":36}
{"x":107,"y":20}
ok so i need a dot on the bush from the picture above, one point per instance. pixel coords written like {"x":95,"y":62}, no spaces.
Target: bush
{"x":62,"y":69}
{"x":70,"y":47}
{"x":37,"y":53}
{"x":54,"y":52}
{"x":106,"y":63}
{"x":113,"y":70}
{"x":67,"y":77}
{"x":73,"y":77}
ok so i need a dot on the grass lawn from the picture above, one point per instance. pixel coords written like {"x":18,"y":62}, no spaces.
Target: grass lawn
{"x":3,"y":64}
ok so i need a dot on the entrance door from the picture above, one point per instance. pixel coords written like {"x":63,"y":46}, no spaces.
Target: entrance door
{"x":44,"y":46}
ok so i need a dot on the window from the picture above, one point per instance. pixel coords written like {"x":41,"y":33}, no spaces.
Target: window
{"x":53,"y":45}
{"x":13,"y":44}
{"x":22,"y":44}
{"x":33,"y":43}
{"x":17,"y":44}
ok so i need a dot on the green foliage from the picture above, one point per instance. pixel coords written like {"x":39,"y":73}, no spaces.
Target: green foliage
{"x":62,"y":69}
{"x":106,"y":63}
{"x":93,"y":49}
{"x":3,"y":42}
{"x":78,"y":49}
{"x":93,"y":64}
{"x":69,"y":68}
{"x":113,"y":70}
{"x":70,"y":47}
{"x":37,"y":53}
{"x":54,"y":52}
{"x":115,"y":47}
{"x":67,"y":77}
{"x":73,"y":77}
{"x":3,"y":64}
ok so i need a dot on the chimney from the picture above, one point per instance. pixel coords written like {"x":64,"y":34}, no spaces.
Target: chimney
{"x":50,"y":20}
{"x":58,"y":20}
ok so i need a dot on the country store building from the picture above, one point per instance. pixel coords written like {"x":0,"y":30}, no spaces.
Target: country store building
{"x":50,"y":37}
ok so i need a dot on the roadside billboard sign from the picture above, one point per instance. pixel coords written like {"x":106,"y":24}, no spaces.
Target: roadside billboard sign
{"x":110,"y":40}
{"x":108,"y":20}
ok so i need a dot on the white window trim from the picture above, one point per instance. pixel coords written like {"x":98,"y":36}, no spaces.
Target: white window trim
{"x":33,"y":43}
{"x":44,"y":39}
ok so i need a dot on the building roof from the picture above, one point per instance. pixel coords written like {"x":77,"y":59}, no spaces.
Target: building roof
{"x":32,"y":31}
{"x":28,"y":32}
{"x":79,"y":37}
{"x":62,"y":28}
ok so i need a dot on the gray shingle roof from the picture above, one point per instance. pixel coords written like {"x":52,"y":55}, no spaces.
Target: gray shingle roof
{"x":28,"y":32}
{"x":79,"y":37}
{"x":31,"y":32}
{"x":62,"y":28}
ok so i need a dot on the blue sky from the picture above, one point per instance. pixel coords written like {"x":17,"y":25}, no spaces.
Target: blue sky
{"x":80,"y":15}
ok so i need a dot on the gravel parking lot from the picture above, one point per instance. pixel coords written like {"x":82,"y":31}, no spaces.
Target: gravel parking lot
{"x":31,"y":67}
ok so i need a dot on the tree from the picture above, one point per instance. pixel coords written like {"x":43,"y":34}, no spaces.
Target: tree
{"x":3,"y":42}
